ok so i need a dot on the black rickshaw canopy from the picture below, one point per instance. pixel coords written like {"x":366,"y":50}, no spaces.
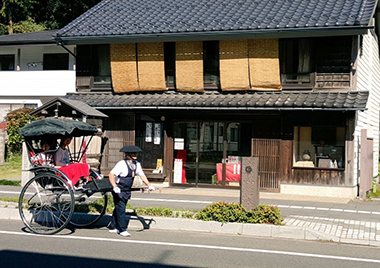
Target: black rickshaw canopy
{"x":61,"y":127}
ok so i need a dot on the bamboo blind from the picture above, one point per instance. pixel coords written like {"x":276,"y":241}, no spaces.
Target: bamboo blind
{"x":151,"y":67}
{"x":189,"y":66}
{"x":264,"y":64}
{"x":123,"y":68}
{"x":233,"y":60}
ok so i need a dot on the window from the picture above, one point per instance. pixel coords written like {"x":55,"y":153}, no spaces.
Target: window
{"x":296,"y":61}
{"x":56,"y":61}
{"x":7,"y":62}
{"x":94,"y":61}
{"x":169,"y":58}
{"x":316,"y":62}
{"x":211,"y":64}
{"x":319,"y":146}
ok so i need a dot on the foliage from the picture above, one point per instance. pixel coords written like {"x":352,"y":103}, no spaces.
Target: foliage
{"x":11,"y":183}
{"x":187,"y":214}
{"x":20,"y":16}
{"x":371,"y":194}
{"x":27,"y":26}
{"x":155,"y":211}
{"x":233,"y":212}
{"x":222,"y":212}
{"x":55,"y":14}
{"x":17,"y":119}
{"x":15,"y":11}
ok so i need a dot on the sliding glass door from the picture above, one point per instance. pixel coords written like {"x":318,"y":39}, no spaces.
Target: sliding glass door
{"x":210,"y":152}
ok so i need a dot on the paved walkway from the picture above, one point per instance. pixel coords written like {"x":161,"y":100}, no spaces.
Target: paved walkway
{"x":340,"y":230}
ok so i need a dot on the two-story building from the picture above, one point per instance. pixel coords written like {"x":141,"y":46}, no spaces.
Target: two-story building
{"x":198,"y":85}
{"x":33,"y":70}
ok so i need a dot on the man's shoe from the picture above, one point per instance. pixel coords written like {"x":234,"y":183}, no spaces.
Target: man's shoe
{"x":113,"y":231}
{"x":125,"y":234}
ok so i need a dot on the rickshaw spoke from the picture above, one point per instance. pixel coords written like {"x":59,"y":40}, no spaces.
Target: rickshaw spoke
{"x":48,"y":210}
{"x":91,"y":209}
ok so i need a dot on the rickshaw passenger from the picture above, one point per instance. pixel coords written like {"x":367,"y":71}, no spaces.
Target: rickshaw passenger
{"x":43,"y":158}
{"x":74,"y":171}
{"x":62,"y":157}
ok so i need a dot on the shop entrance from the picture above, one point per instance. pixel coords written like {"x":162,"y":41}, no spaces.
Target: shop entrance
{"x":210,"y":152}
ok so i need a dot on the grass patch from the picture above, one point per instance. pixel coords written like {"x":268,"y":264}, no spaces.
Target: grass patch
{"x":11,"y":183}
{"x":376,"y":194}
{"x":11,"y":168}
{"x":9,"y":199}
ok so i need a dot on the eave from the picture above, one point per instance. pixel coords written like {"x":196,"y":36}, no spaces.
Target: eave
{"x":217,"y":35}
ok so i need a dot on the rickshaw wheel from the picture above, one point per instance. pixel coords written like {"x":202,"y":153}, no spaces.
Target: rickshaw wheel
{"x":91,"y":209}
{"x":46,"y":204}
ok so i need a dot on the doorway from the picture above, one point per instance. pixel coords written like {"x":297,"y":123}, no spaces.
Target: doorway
{"x":209,"y":152}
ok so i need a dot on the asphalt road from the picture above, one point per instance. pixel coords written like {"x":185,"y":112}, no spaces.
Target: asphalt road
{"x":157,"y":248}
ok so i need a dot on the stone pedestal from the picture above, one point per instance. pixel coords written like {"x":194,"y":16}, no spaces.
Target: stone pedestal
{"x":250,"y":183}
{"x":26,"y":175}
{"x":2,"y":145}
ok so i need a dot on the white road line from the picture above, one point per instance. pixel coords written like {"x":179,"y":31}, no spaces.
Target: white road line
{"x":336,"y":209}
{"x":9,"y":192}
{"x":277,"y":252}
{"x":364,"y":212}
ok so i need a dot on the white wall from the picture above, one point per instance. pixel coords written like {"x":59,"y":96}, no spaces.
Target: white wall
{"x":368,"y":78}
{"x":36,"y":83}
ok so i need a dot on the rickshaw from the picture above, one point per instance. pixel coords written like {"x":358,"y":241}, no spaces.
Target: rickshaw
{"x":50,"y":201}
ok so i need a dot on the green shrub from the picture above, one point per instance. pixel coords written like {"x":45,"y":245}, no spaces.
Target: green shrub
{"x":222,"y":212}
{"x":233,"y":212}
{"x":9,"y":182}
{"x":187,"y":214}
{"x":17,"y":119}
{"x":155,"y":211}
{"x":264,"y":214}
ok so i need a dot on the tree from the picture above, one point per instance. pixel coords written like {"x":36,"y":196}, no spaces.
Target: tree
{"x":16,"y":119}
{"x":15,"y":10}
{"x":27,"y":26}
{"x":55,"y":14}
{"x":20,"y":16}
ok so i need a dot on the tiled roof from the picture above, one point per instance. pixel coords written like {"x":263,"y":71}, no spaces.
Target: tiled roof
{"x":355,"y":100}
{"x":67,"y":105}
{"x":147,"y":17}
{"x":28,"y":38}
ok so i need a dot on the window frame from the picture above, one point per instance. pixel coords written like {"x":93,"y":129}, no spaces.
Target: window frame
{"x":211,"y":61}
{"x":6,"y":56}
{"x":319,"y":58}
{"x":59,"y":60}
